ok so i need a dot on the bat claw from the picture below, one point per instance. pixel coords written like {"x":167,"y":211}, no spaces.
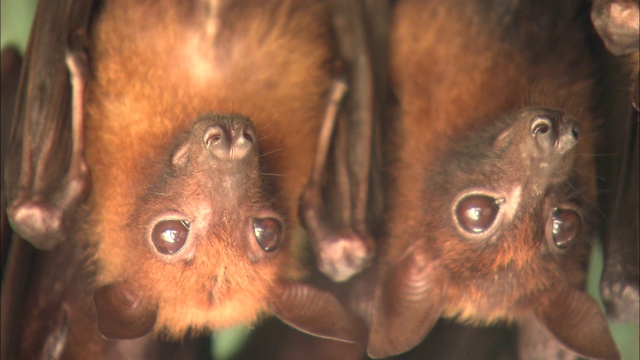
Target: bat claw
{"x":57,"y":339}
{"x":617,"y":23}
{"x":621,"y":300}
{"x":38,"y":222}
{"x":344,"y":255}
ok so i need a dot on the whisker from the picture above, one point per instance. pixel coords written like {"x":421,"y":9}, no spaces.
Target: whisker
{"x":196,"y":190}
{"x":271,"y":152}
{"x":272,"y":174}
{"x":588,"y":174}
{"x":263,"y":138}
{"x":588,"y":201}
{"x":598,"y":155}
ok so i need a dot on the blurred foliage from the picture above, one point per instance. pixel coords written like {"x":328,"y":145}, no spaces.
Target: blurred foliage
{"x":15,"y":22}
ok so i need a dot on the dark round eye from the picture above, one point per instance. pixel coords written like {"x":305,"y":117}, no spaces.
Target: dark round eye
{"x":170,"y":236}
{"x":268,"y":232}
{"x":476,"y":213}
{"x":565,"y":225}
{"x":540,"y":125}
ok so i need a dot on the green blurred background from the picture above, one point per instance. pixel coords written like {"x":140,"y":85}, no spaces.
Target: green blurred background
{"x":15,"y":22}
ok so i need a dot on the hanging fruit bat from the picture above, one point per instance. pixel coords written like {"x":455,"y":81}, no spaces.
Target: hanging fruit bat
{"x":491,"y":202}
{"x":618,"y":23}
{"x":169,"y":145}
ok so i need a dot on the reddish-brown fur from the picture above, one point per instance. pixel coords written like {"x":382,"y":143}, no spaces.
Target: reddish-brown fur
{"x":156,"y":68}
{"x":454,"y":71}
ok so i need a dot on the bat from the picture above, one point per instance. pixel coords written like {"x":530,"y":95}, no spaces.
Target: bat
{"x":491,"y":199}
{"x":342,"y":200}
{"x":617,"y":24}
{"x":151,"y":142}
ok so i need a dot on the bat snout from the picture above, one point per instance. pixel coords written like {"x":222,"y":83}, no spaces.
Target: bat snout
{"x":569,"y":133}
{"x":555,"y":133}
{"x":232,"y":139}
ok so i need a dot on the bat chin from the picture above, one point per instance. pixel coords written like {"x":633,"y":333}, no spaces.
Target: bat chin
{"x":212,"y":317}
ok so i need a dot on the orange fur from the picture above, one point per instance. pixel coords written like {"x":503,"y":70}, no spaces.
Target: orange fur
{"x":159,"y":65}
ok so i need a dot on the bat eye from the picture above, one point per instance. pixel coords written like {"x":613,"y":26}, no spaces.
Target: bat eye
{"x":565,"y":225}
{"x":268,"y":232}
{"x":169,"y":236}
{"x":476,"y":213}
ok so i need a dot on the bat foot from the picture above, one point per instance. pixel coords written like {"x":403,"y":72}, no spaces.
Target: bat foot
{"x":38,"y":222}
{"x":56,"y":341}
{"x":617,"y":23}
{"x":42,"y":220}
{"x":344,"y":255}
{"x":621,"y":301}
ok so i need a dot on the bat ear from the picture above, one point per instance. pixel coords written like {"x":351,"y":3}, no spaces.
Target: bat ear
{"x":180,"y":157}
{"x":314,"y":312}
{"x":575,"y":320}
{"x":122,"y":314}
{"x":408,"y":303}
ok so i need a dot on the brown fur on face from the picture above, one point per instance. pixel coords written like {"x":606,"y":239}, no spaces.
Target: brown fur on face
{"x":157,"y":66}
{"x":484,"y":162}
{"x":499,"y":274}
{"x":451,"y":86}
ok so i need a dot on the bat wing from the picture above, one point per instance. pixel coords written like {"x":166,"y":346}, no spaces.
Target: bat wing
{"x":620,"y":277}
{"x":46,"y":175}
{"x":575,"y":320}
{"x":11,"y":64}
{"x":618,"y":24}
{"x":15,"y":257}
{"x":343,"y":190}
{"x":313,"y":311}
{"x":407,"y":305}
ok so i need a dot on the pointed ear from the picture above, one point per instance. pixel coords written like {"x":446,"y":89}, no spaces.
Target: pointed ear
{"x":575,"y":320}
{"x":122,"y":314}
{"x":408,"y":303}
{"x":314,"y":312}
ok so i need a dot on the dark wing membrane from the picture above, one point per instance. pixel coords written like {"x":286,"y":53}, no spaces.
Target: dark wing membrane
{"x":44,"y":174}
{"x":344,"y":190}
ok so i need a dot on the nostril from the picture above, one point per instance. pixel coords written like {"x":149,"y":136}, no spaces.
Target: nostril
{"x":213,"y":135}
{"x":243,"y":139}
{"x":540,"y":129}
{"x":540,"y":125}
{"x":576,"y":132}
{"x":248,"y":135}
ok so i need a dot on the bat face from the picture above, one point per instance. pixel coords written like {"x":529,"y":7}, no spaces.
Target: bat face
{"x":190,"y":220}
{"x":203,"y":230}
{"x":490,"y":210}
{"x":503,"y":236}
{"x":512,"y":224}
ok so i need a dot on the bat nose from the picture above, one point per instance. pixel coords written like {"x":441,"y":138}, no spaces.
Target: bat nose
{"x":230,"y":140}
{"x":569,"y":133}
{"x":553,"y":131}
